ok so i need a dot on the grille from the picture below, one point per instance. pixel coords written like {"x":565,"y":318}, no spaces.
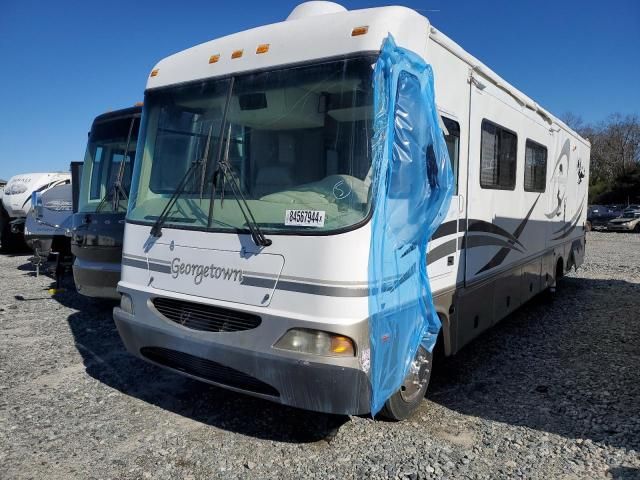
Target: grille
{"x":207,"y":370}
{"x":207,"y":318}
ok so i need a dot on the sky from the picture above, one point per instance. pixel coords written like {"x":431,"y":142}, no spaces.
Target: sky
{"x":64,"y":62}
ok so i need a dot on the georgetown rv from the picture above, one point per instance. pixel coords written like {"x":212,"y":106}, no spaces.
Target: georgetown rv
{"x":98,"y":224}
{"x":16,"y":203}
{"x":247,"y":240}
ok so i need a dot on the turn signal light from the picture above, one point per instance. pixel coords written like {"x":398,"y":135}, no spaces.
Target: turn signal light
{"x":359,"y":30}
{"x":237,"y":54}
{"x":214,"y":58}
{"x":341,"y":345}
{"x":263,"y":48}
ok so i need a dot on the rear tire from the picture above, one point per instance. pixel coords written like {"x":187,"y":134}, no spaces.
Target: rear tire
{"x":4,"y":222}
{"x":402,"y":404}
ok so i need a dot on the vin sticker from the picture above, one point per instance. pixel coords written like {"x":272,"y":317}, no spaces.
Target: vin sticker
{"x":304,"y":218}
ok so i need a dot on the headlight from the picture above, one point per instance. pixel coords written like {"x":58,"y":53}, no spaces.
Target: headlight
{"x":126,"y":303}
{"x":316,"y":342}
{"x":15,"y":189}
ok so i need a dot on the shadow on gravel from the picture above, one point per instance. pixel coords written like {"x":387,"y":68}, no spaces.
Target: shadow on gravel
{"x":569,"y":365}
{"x":624,"y":473}
{"x":106,"y":360}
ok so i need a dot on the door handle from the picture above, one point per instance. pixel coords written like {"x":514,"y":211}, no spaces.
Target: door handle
{"x":460,"y":203}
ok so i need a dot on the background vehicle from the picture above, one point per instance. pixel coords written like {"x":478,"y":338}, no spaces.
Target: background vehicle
{"x":599,"y":215}
{"x":262,"y":284}
{"x":16,"y":202}
{"x":98,"y":225}
{"x":48,"y":226}
{"x":628,"y":221}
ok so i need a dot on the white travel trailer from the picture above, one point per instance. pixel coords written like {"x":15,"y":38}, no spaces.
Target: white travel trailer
{"x":265,"y":290}
{"x":16,"y":202}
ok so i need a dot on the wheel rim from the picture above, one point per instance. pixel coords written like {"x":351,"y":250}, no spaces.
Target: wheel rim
{"x":418,"y":376}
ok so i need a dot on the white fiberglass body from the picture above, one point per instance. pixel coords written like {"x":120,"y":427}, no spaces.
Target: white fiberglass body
{"x":17,"y":191}
{"x":52,"y":214}
{"x":290,"y":106}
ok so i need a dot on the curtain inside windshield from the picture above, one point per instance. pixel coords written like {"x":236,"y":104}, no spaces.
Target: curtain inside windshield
{"x":295,"y":139}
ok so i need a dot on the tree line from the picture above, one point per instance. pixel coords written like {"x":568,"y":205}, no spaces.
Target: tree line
{"x":615,"y":157}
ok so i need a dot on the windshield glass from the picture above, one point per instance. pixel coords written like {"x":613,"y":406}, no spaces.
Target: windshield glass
{"x":102,"y":163}
{"x":297,"y":139}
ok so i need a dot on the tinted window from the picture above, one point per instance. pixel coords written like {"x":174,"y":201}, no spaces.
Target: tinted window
{"x":535,"y":167}
{"x":498,"y":154}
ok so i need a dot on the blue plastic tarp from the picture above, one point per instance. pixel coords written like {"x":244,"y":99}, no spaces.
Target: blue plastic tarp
{"x":412,"y":188}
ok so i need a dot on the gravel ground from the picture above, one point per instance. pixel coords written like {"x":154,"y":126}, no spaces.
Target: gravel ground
{"x":552,"y":392}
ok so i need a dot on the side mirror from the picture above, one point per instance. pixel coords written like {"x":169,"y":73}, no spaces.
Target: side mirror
{"x":36,"y":204}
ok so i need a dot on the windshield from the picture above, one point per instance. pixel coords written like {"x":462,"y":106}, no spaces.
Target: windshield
{"x":631,"y":213}
{"x":102,"y":163}
{"x":297,"y":140}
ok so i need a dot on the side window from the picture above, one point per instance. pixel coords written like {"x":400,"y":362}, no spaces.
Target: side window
{"x":535,"y":167}
{"x":452,"y":138}
{"x":498,"y":157}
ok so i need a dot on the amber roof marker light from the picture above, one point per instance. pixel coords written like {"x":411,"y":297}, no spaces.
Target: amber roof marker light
{"x":237,"y":54}
{"x":154,"y":72}
{"x":357,"y":31}
{"x":262,"y":48}
{"x":214,"y":58}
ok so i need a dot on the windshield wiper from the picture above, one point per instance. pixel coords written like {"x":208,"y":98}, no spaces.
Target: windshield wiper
{"x":156,"y":230}
{"x":117,"y":189}
{"x":228,"y":174}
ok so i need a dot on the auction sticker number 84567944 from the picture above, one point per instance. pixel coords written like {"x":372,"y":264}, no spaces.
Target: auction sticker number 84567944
{"x":304,"y":218}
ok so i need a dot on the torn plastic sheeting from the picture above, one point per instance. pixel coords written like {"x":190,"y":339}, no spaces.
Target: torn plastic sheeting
{"x":412,"y":190}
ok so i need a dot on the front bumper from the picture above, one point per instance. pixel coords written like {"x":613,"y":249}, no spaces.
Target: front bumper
{"x":621,"y":227}
{"x":245,"y":362}
{"x":96,"y":279}
{"x":598,"y":223}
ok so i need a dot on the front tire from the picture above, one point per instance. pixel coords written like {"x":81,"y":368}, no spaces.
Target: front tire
{"x":402,"y":404}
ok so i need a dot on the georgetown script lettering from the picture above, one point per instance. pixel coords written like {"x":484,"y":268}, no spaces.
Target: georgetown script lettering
{"x":199,"y":272}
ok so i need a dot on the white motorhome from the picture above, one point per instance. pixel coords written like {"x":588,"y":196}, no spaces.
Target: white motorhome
{"x":16,"y":202}
{"x":265,"y":290}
